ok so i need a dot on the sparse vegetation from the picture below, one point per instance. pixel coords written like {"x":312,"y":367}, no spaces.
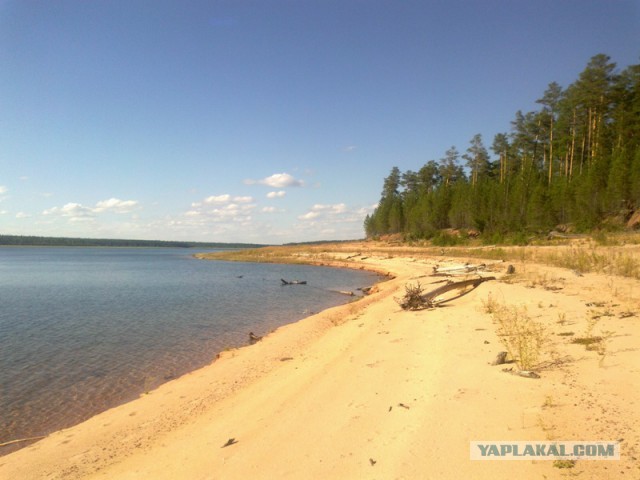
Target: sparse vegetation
{"x":490,"y":305}
{"x":522,"y":336}
{"x":564,"y":463}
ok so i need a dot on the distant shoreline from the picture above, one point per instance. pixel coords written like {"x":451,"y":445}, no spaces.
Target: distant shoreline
{"x":35,"y":241}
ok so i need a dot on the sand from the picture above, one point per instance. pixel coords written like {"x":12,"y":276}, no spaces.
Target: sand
{"x":368,"y":390}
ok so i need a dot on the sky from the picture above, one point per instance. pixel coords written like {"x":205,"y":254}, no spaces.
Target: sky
{"x":267,"y":121}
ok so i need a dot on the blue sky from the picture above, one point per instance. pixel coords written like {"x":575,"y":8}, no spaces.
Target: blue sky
{"x":266,"y":121}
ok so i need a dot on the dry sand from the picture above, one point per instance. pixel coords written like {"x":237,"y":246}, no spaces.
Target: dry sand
{"x":367,"y":390}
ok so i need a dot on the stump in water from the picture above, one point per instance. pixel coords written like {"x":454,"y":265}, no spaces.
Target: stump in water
{"x":253,"y":338}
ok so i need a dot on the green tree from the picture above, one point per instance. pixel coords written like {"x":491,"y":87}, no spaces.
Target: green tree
{"x":477,"y":159}
{"x":550,"y":101}
{"x":450,"y":171}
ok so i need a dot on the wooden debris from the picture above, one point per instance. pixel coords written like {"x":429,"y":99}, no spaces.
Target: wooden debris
{"x":414,"y":299}
{"x":501,"y":359}
{"x":253,"y":338}
{"x":231,"y":441}
{"x":457,"y":270}
{"x":345,"y":292}
{"x":293,"y":282}
{"x":556,"y":234}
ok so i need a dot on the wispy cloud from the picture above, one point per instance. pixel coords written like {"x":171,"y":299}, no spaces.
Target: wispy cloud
{"x":278,"y":194}
{"x":277,"y":180}
{"x":326,"y":211}
{"x":221,"y":200}
{"x":3,"y":189}
{"x":339,"y":220}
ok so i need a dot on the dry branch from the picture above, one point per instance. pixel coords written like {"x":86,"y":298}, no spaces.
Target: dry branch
{"x":414,"y":299}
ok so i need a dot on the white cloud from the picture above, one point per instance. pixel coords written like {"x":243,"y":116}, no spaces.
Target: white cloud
{"x":3,"y":189}
{"x":331,"y":209}
{"x":349,"y":148}
{"x":324,"y":221}
{"x":73,"y":210}
{"x":277,"y":180}
{"x":217,"y":199}
{"x":221,"y":208}
{"x":22,"y":215}
{"x":309,"y":216}
{"x":268,"y":209}
{"x":115,"y":205}
{"x":77,"y":212}
{"x":222,"y":199}
{"x":278,"y":194}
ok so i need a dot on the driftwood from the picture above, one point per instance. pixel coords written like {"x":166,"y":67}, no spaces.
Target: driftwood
{"x":20,"y":440}
{"x":415,"y":300}
{"x":253,"y":338}
{"x":432,"y":296}
{"x":556,"y":234}
{"x":459,"y":270}
{"x":345,"y":292}
{"x":293,"y":282}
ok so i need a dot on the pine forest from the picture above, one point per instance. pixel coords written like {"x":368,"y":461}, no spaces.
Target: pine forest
{"x":573,"y":164}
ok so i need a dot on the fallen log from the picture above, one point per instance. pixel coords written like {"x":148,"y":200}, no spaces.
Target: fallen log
{"x":345,"y":292}
{"x":432,"y":296}
{"x":414,"y":299}
{"x":458,"y":270}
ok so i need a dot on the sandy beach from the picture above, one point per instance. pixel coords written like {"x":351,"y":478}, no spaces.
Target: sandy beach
{"x":369,"y":390}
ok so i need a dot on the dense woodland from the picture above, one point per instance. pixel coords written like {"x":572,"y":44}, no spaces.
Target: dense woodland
{"x":32,"y":241}
{"x":574,"y":163}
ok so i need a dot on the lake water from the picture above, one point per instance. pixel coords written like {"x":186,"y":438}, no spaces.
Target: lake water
{"x":85,"y":329}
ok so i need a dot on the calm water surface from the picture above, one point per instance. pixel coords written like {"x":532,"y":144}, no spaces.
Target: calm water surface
{"x":85,"y":329}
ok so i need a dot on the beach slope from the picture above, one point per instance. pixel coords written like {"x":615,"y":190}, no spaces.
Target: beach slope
{"x":369,"y":390}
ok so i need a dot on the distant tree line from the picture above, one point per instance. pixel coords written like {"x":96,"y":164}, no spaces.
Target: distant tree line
{"x":18,"y":240}
{"x":574,"y":161}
